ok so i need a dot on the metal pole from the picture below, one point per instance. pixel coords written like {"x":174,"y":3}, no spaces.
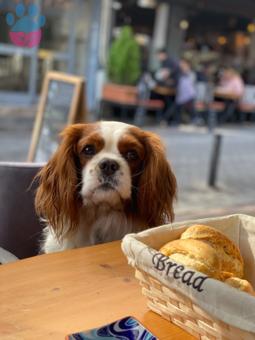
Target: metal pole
{"x":212,"y":116}
{"x":214,"y":161}
{"x":33,"y":74}
{"x":72,"y":36}
{"x":176,"y":35}
{"x":34,"y":66}
{"x":93,"y":54}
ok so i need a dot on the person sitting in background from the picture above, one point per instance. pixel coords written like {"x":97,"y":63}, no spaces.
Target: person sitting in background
{"x":150,"y":84}
{"x":231,"y":84}
{"x":167,"y":74}
{"x":230,"y":90}
{"x":185,"y":92}
{"x":203,"y":73}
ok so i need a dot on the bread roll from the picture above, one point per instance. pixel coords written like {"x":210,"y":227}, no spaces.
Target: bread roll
{"x":208,"y":251}
{"x":194,"y":254}
{"x":228,"y":252}
{"x":240,"y":284}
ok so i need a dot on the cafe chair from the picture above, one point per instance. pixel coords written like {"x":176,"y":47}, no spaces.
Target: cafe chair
{"x":247,"y":103}
{"x":202,"y":99}
{"x":206,"y":105}
{"x":19,"y":226}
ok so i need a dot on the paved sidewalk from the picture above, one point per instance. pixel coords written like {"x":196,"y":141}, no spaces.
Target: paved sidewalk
{"x":188,"y":150}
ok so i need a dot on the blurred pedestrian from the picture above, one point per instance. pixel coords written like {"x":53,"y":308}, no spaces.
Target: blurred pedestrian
{"x":167,"y":74}
{"x":230,"y":91}
{"x":185,"y":93}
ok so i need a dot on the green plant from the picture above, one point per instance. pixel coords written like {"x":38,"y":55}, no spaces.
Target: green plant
{"x":124,"y":62}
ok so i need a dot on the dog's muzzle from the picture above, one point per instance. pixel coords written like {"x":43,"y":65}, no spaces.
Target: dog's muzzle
{"x":108,"y":167}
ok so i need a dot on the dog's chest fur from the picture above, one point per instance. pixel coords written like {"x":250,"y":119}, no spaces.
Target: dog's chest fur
{"x":98,"y":224}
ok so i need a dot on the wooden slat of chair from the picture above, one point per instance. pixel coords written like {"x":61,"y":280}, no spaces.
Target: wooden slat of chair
{"x":151,"y":104}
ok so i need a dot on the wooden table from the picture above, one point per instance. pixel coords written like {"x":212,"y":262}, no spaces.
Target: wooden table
{"x":218,"y":93}
{"x":164,"y":90}
{"x":50,"y":296}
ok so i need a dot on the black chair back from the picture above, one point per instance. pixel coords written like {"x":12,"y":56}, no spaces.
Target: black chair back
{"x":20,"y":230}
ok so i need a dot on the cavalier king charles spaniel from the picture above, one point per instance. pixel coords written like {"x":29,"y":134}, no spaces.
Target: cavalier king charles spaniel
{"x":105,"y":180}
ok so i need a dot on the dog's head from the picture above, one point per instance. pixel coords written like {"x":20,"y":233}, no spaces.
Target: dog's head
{"x":106,"y":162}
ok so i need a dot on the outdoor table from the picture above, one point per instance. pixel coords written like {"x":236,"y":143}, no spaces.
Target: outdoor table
{"x":219,"y":94}
{"x":50,"y":296}
{"x":164,"y":91}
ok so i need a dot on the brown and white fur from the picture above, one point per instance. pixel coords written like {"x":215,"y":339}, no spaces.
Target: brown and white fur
{"x":105,"y":180}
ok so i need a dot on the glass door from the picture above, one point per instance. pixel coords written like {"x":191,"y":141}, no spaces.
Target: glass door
{"x":22,"y":68}
{"x":18,"y":63}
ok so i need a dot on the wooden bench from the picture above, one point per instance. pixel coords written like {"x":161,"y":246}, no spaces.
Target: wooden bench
{"x":126,"y":97}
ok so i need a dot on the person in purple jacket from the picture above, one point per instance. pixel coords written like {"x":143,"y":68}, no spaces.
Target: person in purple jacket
{"x":185,"y":92}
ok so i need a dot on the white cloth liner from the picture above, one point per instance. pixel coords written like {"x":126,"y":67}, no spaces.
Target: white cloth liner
{"x":6,"y":256}
{"x":223,"y":302}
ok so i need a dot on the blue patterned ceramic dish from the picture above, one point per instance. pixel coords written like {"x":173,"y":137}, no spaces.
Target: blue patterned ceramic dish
{"x":124,"y":329}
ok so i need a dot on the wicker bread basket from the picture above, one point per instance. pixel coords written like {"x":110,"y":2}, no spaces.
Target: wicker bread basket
{"x":180,"y":305}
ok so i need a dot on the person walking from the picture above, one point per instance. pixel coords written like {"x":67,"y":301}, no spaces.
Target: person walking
{"x":185,"y":93}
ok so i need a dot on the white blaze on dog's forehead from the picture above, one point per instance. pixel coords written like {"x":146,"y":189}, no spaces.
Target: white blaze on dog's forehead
{"x":112,"y":132}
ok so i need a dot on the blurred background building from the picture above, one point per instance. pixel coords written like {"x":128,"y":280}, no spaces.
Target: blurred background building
{"x":78,"y":33}
{"x":63,"y":47}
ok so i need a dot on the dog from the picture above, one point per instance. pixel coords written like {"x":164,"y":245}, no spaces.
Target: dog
{"x":105,"y":180}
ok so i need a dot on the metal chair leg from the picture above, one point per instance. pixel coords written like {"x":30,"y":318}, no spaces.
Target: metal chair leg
{"x":140,"y":114}
{"x":212,"y":120}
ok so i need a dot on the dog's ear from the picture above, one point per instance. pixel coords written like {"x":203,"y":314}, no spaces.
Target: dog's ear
{"x":57,"y":198}
{"x":157,"y":185}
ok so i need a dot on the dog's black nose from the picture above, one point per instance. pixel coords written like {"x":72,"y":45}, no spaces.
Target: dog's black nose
{"x":108,"y":167}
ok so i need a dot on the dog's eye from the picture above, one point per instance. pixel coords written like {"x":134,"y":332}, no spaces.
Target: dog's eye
{"x":89,"y":150}
{"x":131,"y":155}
